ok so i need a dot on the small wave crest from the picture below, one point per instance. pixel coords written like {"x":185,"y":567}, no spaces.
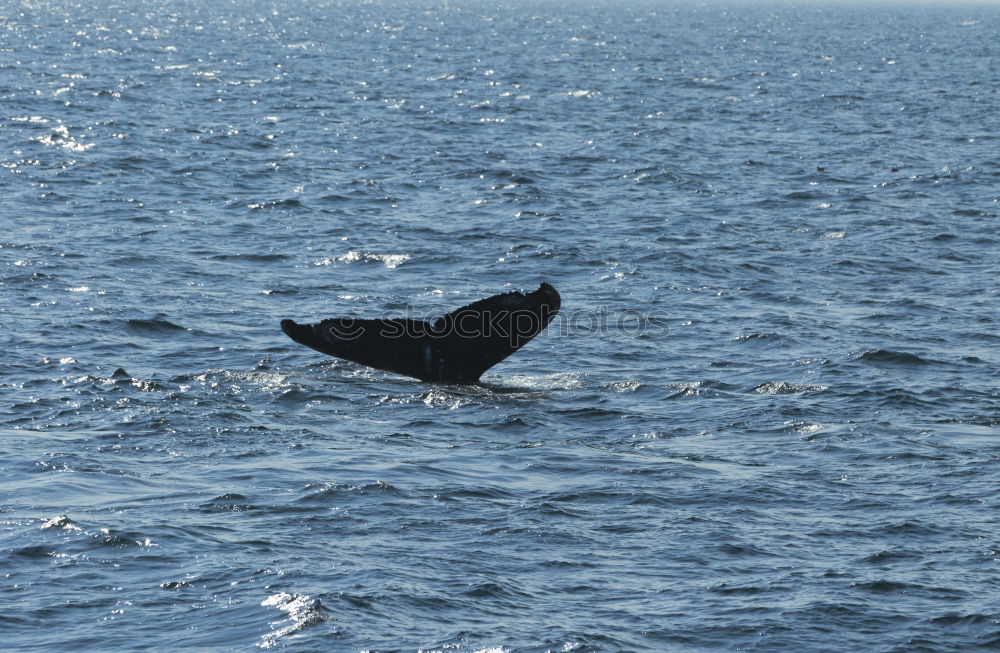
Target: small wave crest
{"x":155,"y":325}
{"x":301,"y":610}
{"x":785,"y":388}
{"x":890,"y":357}
{"x":61,"y":522}
{"x":391,"y":261}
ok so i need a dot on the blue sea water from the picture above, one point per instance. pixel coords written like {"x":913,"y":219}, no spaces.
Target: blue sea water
{"x":768,"y":417}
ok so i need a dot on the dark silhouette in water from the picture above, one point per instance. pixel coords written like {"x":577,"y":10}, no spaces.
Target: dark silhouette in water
{"x":456,"y":348}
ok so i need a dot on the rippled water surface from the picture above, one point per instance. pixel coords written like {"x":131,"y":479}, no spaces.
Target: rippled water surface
{"x":767,"y":418}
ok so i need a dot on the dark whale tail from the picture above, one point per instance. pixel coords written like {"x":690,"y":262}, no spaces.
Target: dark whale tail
{"x":456,"y":348}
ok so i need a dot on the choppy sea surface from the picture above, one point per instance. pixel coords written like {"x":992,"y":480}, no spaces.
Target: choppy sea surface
{"x":768,"y":417}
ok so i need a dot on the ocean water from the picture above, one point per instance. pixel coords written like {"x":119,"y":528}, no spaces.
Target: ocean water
{"x":767,"y":418}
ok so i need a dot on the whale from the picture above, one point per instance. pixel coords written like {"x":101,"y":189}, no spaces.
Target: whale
{"x":455,"y":348}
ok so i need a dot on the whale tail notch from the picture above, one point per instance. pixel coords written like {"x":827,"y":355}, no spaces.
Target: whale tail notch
{"x":455,"y":348}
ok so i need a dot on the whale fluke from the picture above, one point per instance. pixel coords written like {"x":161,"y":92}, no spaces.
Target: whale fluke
{"x":455,"y":348}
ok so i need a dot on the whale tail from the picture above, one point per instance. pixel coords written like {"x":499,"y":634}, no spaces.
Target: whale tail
{"x":456,"y":348}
